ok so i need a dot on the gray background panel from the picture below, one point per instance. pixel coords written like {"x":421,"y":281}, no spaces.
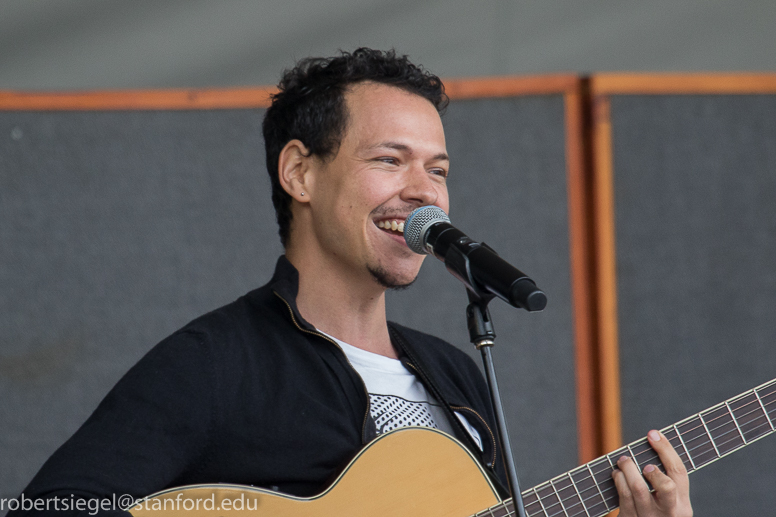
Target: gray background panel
{"x":119,"y":227}
{"x":695,"y":196}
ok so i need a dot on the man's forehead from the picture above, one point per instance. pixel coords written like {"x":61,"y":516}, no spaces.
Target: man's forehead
{"x":370,"y":94}
{"x":387,"y":117}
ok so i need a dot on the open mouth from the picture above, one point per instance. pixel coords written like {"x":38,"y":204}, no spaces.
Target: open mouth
{"x":392,"y":226}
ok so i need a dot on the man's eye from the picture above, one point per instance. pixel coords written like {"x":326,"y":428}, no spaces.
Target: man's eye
{"x":389,"y":159}
{"x":439,"y":172}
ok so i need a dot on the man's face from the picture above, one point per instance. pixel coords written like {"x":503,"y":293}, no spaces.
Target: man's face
{"x":392,"y":159}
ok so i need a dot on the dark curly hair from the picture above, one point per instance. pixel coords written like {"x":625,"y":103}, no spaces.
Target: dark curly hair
{"x":310,"y":107}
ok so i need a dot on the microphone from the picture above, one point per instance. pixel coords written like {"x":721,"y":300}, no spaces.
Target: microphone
{"x":427,"y":230}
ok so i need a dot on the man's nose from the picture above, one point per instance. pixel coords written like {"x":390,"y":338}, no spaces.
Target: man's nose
{"x":421,"y":189}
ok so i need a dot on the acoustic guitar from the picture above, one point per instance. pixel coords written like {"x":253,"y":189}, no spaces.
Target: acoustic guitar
{"x":423,"y":472}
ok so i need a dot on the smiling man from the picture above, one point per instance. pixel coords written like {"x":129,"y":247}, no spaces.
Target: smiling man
{"x":348,"y":208}
{"x":283,"y":387}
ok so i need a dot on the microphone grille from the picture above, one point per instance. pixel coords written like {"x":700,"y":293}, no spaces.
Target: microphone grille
{"x":418,"y":223}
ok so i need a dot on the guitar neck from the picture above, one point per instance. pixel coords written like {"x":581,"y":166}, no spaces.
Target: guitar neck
{"x":589,"y":491}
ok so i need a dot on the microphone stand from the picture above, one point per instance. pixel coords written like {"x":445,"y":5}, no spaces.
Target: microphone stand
{"x":483,"y":338}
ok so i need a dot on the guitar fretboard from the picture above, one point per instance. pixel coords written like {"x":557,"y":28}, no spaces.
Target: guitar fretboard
{"x":589,"y":491}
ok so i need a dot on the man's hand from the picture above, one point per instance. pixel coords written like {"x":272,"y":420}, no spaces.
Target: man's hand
{"x":672,"y":490}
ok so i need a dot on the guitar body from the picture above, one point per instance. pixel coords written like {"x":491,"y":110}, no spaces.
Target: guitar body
{"x":416,"y":471}
{"x":408,"y":472}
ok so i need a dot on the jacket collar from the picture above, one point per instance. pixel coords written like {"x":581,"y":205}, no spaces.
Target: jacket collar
{"x":285,"y":283}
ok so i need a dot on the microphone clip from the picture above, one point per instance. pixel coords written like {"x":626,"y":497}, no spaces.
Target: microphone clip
{"x":458,"y":264}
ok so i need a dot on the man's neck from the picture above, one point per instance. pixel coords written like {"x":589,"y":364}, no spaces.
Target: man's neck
{"x":345,"y":305}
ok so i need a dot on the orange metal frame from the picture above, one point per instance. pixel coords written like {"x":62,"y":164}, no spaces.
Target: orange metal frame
{"x":579,"y":192}
{"x":116,"y":100}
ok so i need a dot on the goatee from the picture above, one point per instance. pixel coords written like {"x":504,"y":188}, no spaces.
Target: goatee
{"x":385,"y":279}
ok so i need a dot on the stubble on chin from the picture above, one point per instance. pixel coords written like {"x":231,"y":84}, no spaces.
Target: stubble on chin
{"x":388,"y":280}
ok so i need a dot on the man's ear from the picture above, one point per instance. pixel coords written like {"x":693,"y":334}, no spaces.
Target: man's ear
{"x":294,"y":163}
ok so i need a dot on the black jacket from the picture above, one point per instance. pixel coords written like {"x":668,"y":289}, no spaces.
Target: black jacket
{"x":249,"y":394}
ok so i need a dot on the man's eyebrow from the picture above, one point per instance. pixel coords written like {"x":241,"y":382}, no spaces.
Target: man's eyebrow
{"x":404,"y":147}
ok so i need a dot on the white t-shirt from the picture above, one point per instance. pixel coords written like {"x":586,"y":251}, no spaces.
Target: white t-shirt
{"x":397,"y":398}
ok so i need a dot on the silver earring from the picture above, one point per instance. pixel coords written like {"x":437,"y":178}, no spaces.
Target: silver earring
{"x":301,"y":194}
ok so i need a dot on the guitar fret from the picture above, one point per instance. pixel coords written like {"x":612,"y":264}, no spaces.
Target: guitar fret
{"x":530,"y":500}
{"x":598,"y":487}
{"x":724,"y":429}
{"x":610,"y":490}
{"x":593,"y":481}
{"x":646,"y":454}
{"x":499,"y":510}
{"x":747,"y":412}
{"x":764,"y":411}
{"x":735,"y":420}
{"x":696,"y":439}
{"x":684,"y":445}
{"x":579,"y":495}
{"x":633,"y":456}
{"x":539,"y":498}
{"x":769,"y":400}
{"x":560,"y":499}
{"x":711,"y":438}
{"x":570,"y":499}
{"x":551,"y":500}
{"x":672,"y":434}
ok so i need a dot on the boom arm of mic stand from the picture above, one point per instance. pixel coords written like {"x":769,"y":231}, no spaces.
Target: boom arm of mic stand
{"x":483,"y":337}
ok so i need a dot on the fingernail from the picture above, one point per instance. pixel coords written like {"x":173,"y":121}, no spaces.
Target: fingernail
{"x":648,"y":469}
{"x":654,"y":436}
{"x":622,"y":458}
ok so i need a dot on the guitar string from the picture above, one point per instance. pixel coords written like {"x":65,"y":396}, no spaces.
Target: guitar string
{"x":736,"y":421}
{"x":760,"y":421}
{"x":762,"y":407}
{"x":755,"y":403}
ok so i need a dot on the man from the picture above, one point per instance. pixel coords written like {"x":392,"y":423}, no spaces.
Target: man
{"x":281,"y":388}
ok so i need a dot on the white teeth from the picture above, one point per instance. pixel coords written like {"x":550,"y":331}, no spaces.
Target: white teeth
{"x":395,"y":226}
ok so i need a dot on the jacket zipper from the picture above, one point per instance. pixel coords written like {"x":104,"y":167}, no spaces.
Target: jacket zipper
{"x":452,"y":408}
{"x":316,"y":333}
{"x":490,"y":432}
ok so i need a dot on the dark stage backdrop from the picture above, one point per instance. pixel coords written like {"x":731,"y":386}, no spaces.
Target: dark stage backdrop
{"x":118,"y":227}
{"x":695,"y":217}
